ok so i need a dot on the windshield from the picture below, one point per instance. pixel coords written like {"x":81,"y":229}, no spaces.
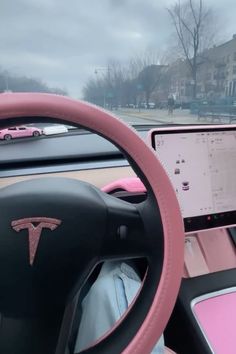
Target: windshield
{"x":151,"y":62}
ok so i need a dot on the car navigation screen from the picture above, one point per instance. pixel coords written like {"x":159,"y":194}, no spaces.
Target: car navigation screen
{"x":201,"y":164}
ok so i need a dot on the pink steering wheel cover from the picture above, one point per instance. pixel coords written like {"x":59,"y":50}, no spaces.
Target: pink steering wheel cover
{"x":43,"y":105}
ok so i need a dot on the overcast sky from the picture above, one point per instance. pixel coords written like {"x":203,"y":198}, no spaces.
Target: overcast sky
{"x":62,"y":42}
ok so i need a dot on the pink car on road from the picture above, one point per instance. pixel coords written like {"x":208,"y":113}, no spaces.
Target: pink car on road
{"x":19,"y":132}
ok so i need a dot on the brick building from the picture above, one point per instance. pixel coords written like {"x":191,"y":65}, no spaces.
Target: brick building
{"x":216,"y":75}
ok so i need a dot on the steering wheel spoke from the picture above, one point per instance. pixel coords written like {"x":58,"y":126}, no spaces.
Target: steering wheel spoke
{"x":125,"y":233}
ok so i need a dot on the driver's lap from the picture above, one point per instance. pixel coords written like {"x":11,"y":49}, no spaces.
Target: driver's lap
{"x":107,"y":300}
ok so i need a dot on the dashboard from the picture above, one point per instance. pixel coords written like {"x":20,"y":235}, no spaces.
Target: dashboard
{"x":79,"y":154}
{"x":99,"y":177}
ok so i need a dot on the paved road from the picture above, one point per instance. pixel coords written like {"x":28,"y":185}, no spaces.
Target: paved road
{"x":148,"y":116}
{"x":156,"y":116}
{"x":131,"y":116}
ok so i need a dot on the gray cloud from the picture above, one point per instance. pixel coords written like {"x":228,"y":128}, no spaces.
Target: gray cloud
{"x":62,"y":42}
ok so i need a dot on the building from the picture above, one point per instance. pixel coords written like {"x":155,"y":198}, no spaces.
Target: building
{"x":180,"y":81}
{"x":217,"y":72}
{"x":216,"y":77}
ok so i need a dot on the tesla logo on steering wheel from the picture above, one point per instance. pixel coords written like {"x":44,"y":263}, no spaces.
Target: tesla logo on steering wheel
{"x":35,"y":227}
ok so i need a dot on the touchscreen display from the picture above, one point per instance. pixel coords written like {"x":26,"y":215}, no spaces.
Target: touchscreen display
{"x":201,"y":165}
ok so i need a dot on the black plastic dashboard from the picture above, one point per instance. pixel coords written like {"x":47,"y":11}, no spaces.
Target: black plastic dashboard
{"x":78,"y":150}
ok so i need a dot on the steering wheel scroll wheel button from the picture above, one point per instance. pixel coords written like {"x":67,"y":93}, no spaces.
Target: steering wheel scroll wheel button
{"x":122,"y":232}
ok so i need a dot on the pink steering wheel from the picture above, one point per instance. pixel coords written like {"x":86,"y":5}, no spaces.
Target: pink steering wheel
{"x":145,"y":322}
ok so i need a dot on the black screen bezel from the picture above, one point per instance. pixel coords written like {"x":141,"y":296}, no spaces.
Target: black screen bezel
{"x":207,"y":221}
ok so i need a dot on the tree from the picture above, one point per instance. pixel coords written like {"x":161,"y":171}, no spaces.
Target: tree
{"x":115,"y":79}
{"x":126,"y":83}
{"x":192,"y":22}
{"x":150,"y":78}
{"x":107,"y":89}
{"x":94,"y":91}
{"x":9,"y":81}
{"x":149,"y":72}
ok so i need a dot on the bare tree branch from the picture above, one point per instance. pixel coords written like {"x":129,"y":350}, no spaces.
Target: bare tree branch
{"x":177,"y":24}
{"x":191,"y":20}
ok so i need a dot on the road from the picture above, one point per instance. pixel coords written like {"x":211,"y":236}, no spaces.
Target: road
{"x":156,"y":116}
{"x":131,"y":116}
{"x":146,"y":116}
